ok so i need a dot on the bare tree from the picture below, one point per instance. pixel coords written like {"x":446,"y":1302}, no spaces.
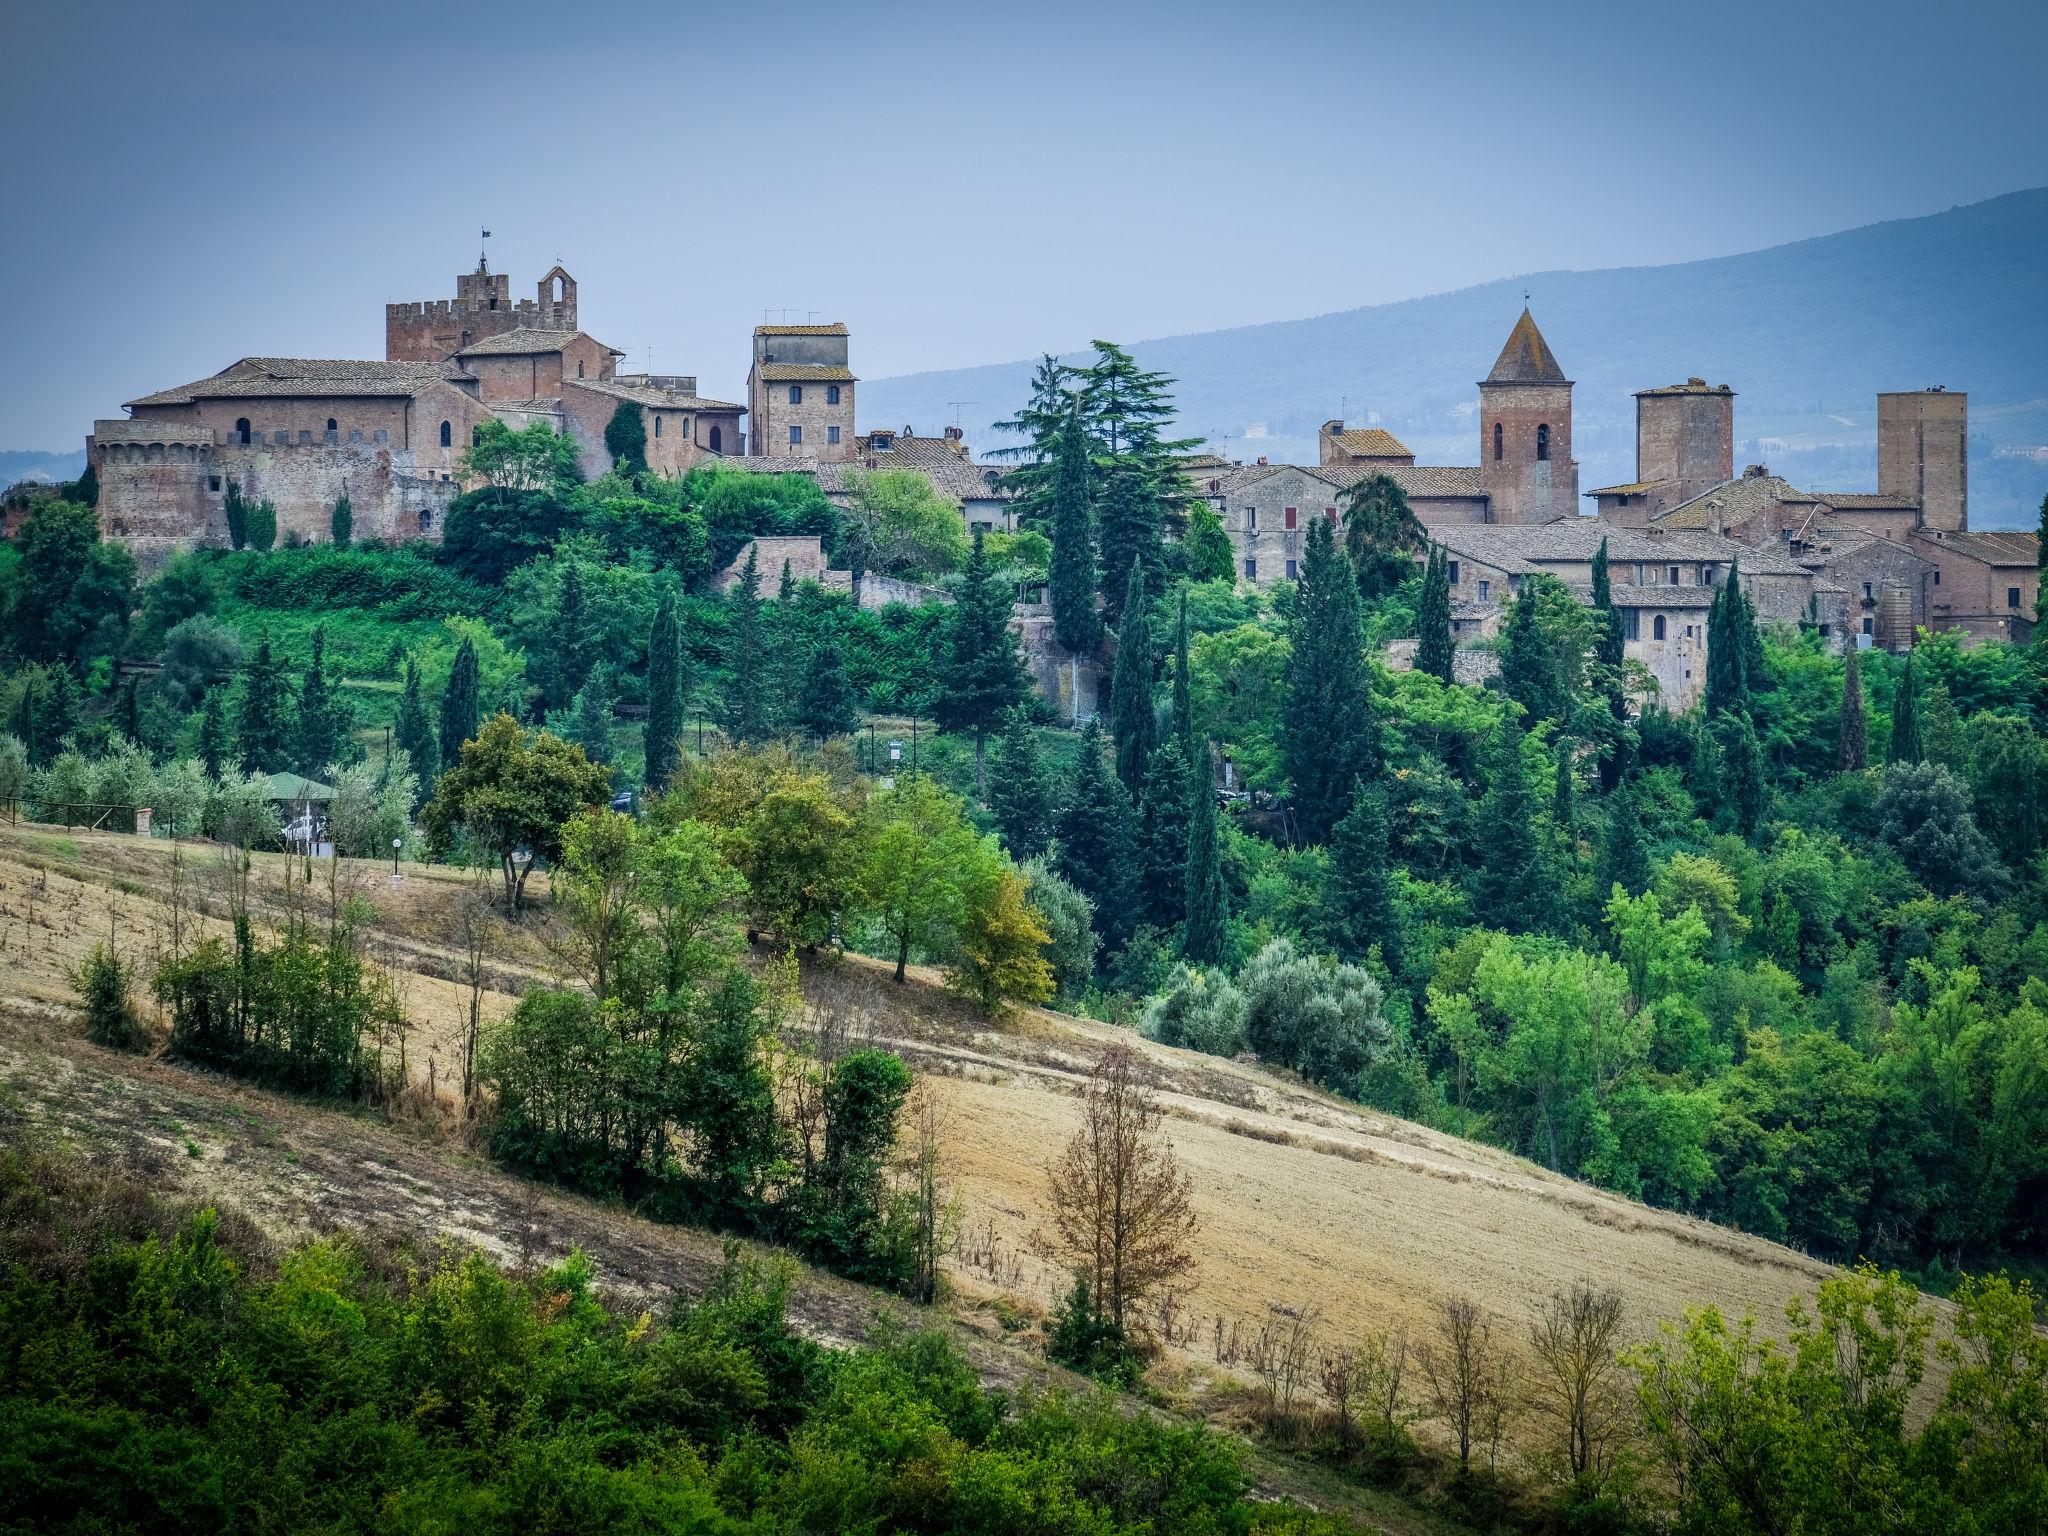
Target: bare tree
{"x":935,"y":1209}
{"x":1574,"y":1335}
{"x":1462,"y":1368}
{"x":477,"y":922}
{"x":1121,"y":1210}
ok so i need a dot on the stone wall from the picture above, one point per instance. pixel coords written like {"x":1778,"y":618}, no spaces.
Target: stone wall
{"x":1923,"y":451}
{"x":1524,"y":488}
{"x":1685,"y":435}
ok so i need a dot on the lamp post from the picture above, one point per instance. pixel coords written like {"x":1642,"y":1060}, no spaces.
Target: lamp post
{"x":913,"y":743}
{"x":700,"y":733}
{"x":396,"y":843}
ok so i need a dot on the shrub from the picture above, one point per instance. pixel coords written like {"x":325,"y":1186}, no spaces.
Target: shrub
{"x":110,"y":1018}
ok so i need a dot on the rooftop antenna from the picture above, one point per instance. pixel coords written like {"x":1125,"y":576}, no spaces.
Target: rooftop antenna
{"x":953,"y":409}
{"x":810,"y":317}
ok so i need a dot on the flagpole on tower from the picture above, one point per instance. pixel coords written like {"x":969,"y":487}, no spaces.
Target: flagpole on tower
{"x":481,"y":264}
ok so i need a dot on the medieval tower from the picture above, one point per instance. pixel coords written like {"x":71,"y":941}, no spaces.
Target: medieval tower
{"x":1923,"y":452}
{"x":1525,"y":432}
{"x":437,"y":329}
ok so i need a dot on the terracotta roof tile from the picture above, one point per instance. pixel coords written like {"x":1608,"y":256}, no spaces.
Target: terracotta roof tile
{"x":1372,"y":443}
{"x":660,"y":399}
{"x":836,"y":328}
{"x":803,"y":373}
{"x":525,"y":342}
{"x":1527,"y":358}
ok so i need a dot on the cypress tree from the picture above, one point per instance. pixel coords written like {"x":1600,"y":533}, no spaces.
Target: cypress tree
{"x":1128,"y":518}
{"x":1941,"y":730}
{"x":1744,"y":786}
{"x":263,"y":524}
{"x":1563,"y":813}
{"x":590,"y":716}
{"x":1727,"y":647}
{"x":1516,"y":887}
{"x":214,"y":745}
{"x":786,"y":588}
{"x":983,"y":676}
{"x":1183,"y":693}
{"x":1162,"y":837}
{"x":1357,"y":890}
{"x":1623,"y":861}
{"x":1205,"y":941}
{"x":1907,"y":747}
{"x":1855,"y":728}
{"x":1609,"y":650}
{"x":262,"y":719}
{"x":128,"y":710}
{"x":1328,"y":734}
{"x":55,"y":713}
{"x":569,"y":651}
{"x":1434,"y":648}
{"x":323,"y":719}
{"x":664,"y":695}
{"x":828,"y":707}
{"x":343,"y":522}
{"x":1020,"y":796}
{"x":1132,"y":717}
{"x":25,"y":722}
{"x":236,"y":510}
{"x":462,"y":706}
{"x":1095,"y":848}
{"x":1075,"y":624}
{"x":414,"y":733}
{"x":746,"y":700}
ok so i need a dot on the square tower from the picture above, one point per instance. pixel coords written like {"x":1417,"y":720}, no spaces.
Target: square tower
{"x":1685,"y":434}
{"x":1923,"y":451}
{"x":800,"y":393}
{"x":1525,"y":433}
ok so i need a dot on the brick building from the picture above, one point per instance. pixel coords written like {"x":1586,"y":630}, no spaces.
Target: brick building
{"x":800,"y":393}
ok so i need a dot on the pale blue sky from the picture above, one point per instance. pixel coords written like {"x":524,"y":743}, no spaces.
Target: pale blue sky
{"x":186,"y":184}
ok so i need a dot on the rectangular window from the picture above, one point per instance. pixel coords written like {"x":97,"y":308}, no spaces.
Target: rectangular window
{"x":831,"y":434}
{"x":1290,"y":517}
{"x":796,"y":394}
{"x":213,"y":484}
{"x":1639,"y":573}
{"x":1454,"y":572}
{"x":1867,"y":592}
{"x":1485,"y":589}
{"x":1290,"y":570}
{"x":796,"y":436}
{"x":2012,"y":597}
{"x":1631,"y":624}
{"x":1688,"y":630}
{"x":1330,"y":513}
{"x":831,"y":394}
{"x":1866,"y":626}
{"x":1251,"y":570}
{"x":1251,"y":519}
{"x":1937,"y":576}
{"x":1671,"y":575}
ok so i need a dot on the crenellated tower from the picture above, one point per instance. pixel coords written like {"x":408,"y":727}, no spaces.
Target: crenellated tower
{"x":437,"y":329}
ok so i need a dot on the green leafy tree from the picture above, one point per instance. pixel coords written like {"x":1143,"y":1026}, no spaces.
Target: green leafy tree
{"x":625,"y":439}
{"x":828,"y":707}
{"x":1020,"y":794}
{"x":1434,"y":649}
{"x":1542,"y":658}
{"x":414,"y":732}
{"x":1095,"y":846}
{"x":1381,"y":534}
{"x":343,"y":521}
{"x":748,"y":716}
{"x":664,"y":695}
{"x":1854,"y":735}
{"x":531,"y":458}
{"x":1075,"y":623}
{"x":1907,"y":746}
{"x":1206,"y":546}
{"x":514,"y":793}
{"x":919,"y":846}
{"x":263,"y":713}
{"x":1358,"y":893}
{"x":897,"y":523}
{"x":983,"y":675}
{"x":1000,"y":942}
{"x":324,"y":720}
{"x":727,"y":1105}
{"x":2008,"y":774}
{"x":1133,"y":721}
{"x":1329,"y":733}
{"x":263,"y":525}
{"x":491,"y":531}
{"x":1924,"y":812}
{"x":462,"y":706}
{"x":67,"y":595}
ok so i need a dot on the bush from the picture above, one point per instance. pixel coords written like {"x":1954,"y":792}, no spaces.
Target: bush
{"x":1094,"y":1346}
{"x":110,"y":1018}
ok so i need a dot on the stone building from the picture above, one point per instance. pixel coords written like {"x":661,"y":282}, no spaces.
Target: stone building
{"x":986,"y":504}
{"x":437,"y":329}
{"x":1685,"y":444}
{"x":800,"y":393}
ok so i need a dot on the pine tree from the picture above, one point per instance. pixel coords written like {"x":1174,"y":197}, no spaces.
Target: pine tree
{"x":263,"y":524}
{"x":1358,"y":892}
{"x":1095,"y":844}
{"x":462,"y":706}
{"x":746,"y":697}
{"x":263,"y":729}
{"x":323,"y":736}
{"x":1907,"y":747}
{"x":343,"y":522}
{"x":1941,"y":729}
{"x":1020,"y":796}
{"x":828,"y":707}
{"x":1162,"y":836}
{"x":983,"y":676}
{"x":1516,"y":887}
{"x":1623,"y":861}
{"x":664,"y":695}
{"x":1040,"y":422}
{"x":1728,"y":678}
{"x":591,"y":714}
{"x":1854,"y":754}
{"x":1128,"y":520}
{"x":128,"y":709}
{"x":415,"y":734}
{"x":1434,"y":648}
{"x":1132,"y":717}
{"x":214,"y":747}
{"x":1075,"y":623}
{"x":1745,"y":786}
{"x":1328,"y":733}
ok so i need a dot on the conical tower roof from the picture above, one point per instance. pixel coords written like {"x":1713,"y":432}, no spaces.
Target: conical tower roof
{"x":1527,"y":358}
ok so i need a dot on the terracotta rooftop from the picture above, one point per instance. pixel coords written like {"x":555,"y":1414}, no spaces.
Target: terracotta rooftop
{"x":1535,"y":545}
{"x":525,"y":342}
{"x":659,"y":399}
{"x":1869,"y":501}
{"x":303,"y":377}
{"x":1526,"y":359}
{"x":804,"y":373}
{"x":1734,"y":500}
{"x":939,"y":459}
{"x":1633,"y":488}
{"x":836,"y":328}
{"x":1993,"y":548}
{"x":1372,"y":443}
{"x":1689,"y":387}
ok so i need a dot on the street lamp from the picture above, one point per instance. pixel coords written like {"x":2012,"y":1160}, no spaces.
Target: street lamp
{"x":396,"y":843}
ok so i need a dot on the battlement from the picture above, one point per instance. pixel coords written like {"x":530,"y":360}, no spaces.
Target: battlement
{"x":526,"y":312}
{"x":434,"y":330}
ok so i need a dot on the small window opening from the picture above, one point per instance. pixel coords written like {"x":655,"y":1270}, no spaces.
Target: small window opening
{"x":796,"y":394}
{"x":447,"y":434}
{"x":831,"y":394}
{"x":1543,"y":442}
{"x":1496,"y":442}
{"x":242,"y":430}
{"x":1657,"y":627}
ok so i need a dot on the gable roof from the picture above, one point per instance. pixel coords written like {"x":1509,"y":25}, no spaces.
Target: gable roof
{"x":836,"y":328}
{"x":1993,"y":548}
{"x":949,"y":470}
{"x":1527,"y":358}
{"x":527,"y":341}
{"x":657,"y":399}
{"x":307,"y":377}
{"x":1372,"y":443}
{"x":1737,"y":499}
{"x":803,"y":373}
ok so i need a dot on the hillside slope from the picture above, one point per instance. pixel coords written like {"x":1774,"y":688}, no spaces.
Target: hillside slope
{"x":1807,"y":334}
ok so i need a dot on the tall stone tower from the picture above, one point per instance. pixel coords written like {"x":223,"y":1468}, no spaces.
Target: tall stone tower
{"x":1525,"y":432}
{"x":1685,"y":433}
{"x":1923,"y":450}
{"x":434,"y":330}
{"x":800,"y":393}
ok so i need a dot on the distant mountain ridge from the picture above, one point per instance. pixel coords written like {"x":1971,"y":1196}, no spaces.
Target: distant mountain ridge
{"x":1807,"y":333}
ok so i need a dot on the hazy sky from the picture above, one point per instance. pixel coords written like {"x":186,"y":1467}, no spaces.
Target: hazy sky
{"x":184,"y":184}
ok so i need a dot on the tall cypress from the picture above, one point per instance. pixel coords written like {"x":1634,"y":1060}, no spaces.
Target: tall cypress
{"x":1132,"y":717}
{"x":828,"y":707}
{"x":1127,"y":520}
{"x":1609,"y":650}
{"x":263,"y":713}
{"x":1434,"y":649}
{"x":1075,"y":623}
{"x":1563,"y":812}
{"x":1907,"y":747}
{"x":215,"y":749}
{"x":323,"y":719}
{"x":664,"y":734}
{"x":746,"y":694}
{"x":1516,"y":887}
{"x":1162,"y":835}
{"x":1358,"y":890}
{"x":414,"y":733}
{"x":1727,"y":647}
{"x":1328,"y":733}
{"x":1096,"y":855}
{"x":462,"y":706}
{"x":983,"y":675}
{"x":128,"y":709}
{"x":1854,"y":752}
{"x":1623,"y":861}
{"x":1744,"y":786}
{"x":1183,"y":692}
{"x":1020,"y":797}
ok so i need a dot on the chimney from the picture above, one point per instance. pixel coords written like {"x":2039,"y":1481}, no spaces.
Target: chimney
{"x":1262,"y":458}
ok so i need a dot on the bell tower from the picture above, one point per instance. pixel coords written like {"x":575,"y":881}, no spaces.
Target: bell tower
{"x":1525,"y":432}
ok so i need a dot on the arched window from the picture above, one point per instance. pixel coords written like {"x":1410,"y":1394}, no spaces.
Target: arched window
{"x":476,"y":436}
{"x":447,"y":434}
{"x":717,"y":443}
{"x":1543,"y":442}
{"x":796,"y":394}
{"x":561,"y":289}
{"x":1496,"y":442}
{"x":1657,"y":627}
{"x":333,"y":425}
{"x":242,"y":430}
{"x":579,"y":370}
{"x":657,"y":426}
{"x":831,"y":394}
